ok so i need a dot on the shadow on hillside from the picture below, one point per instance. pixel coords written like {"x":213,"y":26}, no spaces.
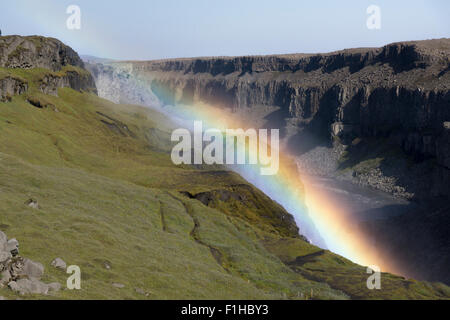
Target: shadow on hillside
{"x":305,"y":141}
{"x":367,"y":156}
{"x":415,"y":237}
{"x":277,"y":120}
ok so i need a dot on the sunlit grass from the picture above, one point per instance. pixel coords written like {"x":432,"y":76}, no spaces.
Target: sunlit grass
{"x":109,"y":195}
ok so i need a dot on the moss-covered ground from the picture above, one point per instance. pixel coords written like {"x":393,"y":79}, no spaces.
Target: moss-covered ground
{"x":113,"y":203}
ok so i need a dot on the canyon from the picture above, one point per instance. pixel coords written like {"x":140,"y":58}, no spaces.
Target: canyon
{"x":104,"y":195}
{"x":377,"y":119}
{"x":63,"y":66}
{"x":399,"y":93}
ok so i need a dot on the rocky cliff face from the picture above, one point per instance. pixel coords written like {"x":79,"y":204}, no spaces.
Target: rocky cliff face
{"x":59,"y":66}
{"x":399,"y":92}
{"x":79,"y":80}
{"x":36,"y":52}
{"x":10,"y":86}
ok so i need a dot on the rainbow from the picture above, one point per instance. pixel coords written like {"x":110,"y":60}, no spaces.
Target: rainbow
{"x":321,"y":217}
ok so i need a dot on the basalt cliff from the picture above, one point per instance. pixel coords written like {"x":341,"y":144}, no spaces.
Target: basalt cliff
{"x":378,"y":117}
{"x":63,"y":67}
{"x":398,"y":93}
{"x":86,"y":182}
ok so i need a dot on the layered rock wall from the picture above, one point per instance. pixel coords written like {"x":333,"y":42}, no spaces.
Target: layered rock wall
{"x":36,"y":52}
{"x":399,"y":92}
{"x":52,"y":60}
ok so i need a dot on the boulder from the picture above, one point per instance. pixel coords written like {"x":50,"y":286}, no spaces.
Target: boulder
{"x":15,"y":267}
{"x":27,"y":286}
{"x":14,"y":286}
{"x":4,"y":257}
{"x":142,"y":292}
{"x":32,"y":203}
{"x":33,"y":270}
{"x":12,"y":246}
{"x":23,"y":275}
{"x":58,"y":263}
{"x":118,"y":285}
{"x":5,"y":277}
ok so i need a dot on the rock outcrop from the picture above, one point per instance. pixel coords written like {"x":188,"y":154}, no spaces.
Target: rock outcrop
{"x":61,"y":66}
{"x":11,"y":86}
{"x":80,"y":81}
{"x":36,"y":52}
{"x":59,"y":263}
{"x":20,"y":274}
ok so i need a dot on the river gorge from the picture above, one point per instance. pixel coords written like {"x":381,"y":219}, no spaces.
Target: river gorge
{"x":368,"y":129}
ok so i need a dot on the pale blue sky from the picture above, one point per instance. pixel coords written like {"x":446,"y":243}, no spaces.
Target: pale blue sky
{"x":153,"y":29}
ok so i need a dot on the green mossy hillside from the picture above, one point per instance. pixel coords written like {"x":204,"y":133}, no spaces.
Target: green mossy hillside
{"x":112,"y":202}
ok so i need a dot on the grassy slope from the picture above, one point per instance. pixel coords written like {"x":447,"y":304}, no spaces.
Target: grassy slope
{"x":110,"y":195}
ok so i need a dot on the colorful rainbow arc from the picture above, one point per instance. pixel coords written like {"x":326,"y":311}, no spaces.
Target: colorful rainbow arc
{"x":321,"y":217}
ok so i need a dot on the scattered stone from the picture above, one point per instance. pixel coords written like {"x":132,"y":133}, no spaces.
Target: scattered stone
{"x":27,"y":286}
{"x":142,"y":291}
{"x":107,"y":265}
{"x":59,"y":263}
{"x":2,"y":298}
{"x":33,"y":270}
{"x":14,"y":286}
{"x":21,"y":275}
{"x":32,"y":203}
{"x":139,"y":290}
{"x":118,"y":285}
